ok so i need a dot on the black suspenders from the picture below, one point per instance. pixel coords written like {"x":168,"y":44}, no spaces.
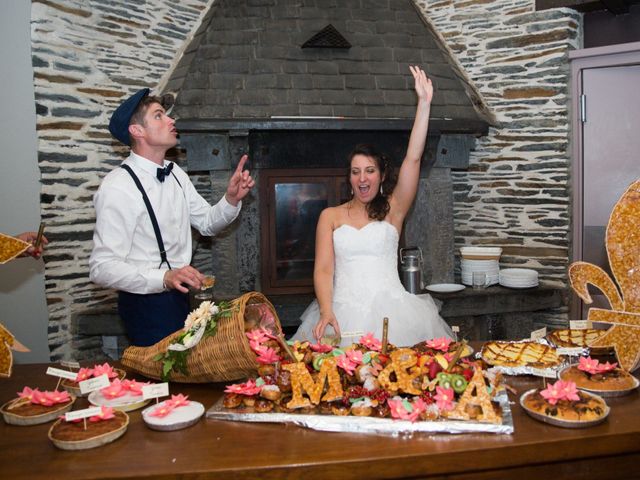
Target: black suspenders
{"x":152,"y":215}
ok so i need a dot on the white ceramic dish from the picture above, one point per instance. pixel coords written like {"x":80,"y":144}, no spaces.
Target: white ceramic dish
{"x":481,"y":250}
{"x":126,"y":403}
{"x":445,"y":287}
{"x":179,"y":418}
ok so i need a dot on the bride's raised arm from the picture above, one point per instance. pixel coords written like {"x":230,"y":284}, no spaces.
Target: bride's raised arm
{"x":407,"y":186}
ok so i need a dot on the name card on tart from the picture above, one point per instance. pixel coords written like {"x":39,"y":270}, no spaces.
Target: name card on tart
{"x":56,"y":372}
{"x":538,"y":334}
{"x":570,"y":351}
{"x":579,"y":324}
{"x":156,"y":390}
{"x":84,"y":413}
{"x":69,"y":364}
{"x":92,"y":384}
{"x":543,"y":372}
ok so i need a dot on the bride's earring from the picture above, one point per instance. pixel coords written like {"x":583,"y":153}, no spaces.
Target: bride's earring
{"x":352,"y":192}
{"x":381,"y":192}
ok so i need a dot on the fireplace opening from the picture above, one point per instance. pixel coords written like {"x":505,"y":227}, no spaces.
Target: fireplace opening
{"x":292,"y":201}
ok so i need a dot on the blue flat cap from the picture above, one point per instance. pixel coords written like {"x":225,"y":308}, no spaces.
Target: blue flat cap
{"x":119,"y":124}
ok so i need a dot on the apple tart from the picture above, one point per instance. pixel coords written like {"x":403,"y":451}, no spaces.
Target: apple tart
{"x":520,"y":354}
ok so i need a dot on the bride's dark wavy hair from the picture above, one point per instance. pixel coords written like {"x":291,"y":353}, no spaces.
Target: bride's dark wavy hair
{"x":378,"y":208}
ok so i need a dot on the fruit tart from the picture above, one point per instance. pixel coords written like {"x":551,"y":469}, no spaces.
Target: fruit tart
{"x":98,"y":430}
{"x":562,"y":404}
{"x":87,"y":373}
{"x":33,"y":407}
{"x":605,"y":379}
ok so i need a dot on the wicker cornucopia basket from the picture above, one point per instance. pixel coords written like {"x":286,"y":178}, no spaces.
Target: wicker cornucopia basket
{"x":222,"y":357}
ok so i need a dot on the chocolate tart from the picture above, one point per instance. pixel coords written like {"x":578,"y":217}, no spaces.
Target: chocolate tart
{"x":590,"y":410}
{"x":32,"y":414}
{"x":73,"y":387}
{"x":177,"y":419}
{"x":73,"y":436}
{"x":615,"y":383}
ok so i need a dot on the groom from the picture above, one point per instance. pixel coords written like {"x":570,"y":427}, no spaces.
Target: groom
{"x":144,"y":214}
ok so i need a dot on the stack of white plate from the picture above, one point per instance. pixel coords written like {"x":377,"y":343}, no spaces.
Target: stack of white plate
{"x":480,"y":259}
{"x":491,"y":269}
{"x":518,"y":278}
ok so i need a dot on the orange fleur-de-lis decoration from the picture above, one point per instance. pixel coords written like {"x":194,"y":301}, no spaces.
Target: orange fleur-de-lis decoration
{"x":623,"y":250}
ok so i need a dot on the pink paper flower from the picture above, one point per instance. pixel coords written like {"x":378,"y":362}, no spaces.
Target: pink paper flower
{"x":593,"y":366}
{"x":179,"y":400}
{"x":588,"y":364}
{"x":268,"y":356}
{"x":164,"y":409}
{"x":441,"y":344}
{"x":560,"y":391}
{"x":248,"y":388}
{"x":370,"y":342}
{"x":607,"y":367}
{"x":27,"y":393}
{"x":344,"y":363}
{"x":397,"y":409}
{"x":569,"y":391}
{"x":114,"y":390}
{"x":105,"y":368}
{"x":419,"y":406}
{"x":354,"y":356}
{"x":105,"y":414}
{"x":321,"y":347}
{"x":134,"y":387}
{"x":257,"y":335}
{"x":57,"y":396}
{"x":405,"y":410}
{"x":257,"y":348}
{"x":444,"y":399}
{"x":41,"y":398}
{"x":84,"y":374}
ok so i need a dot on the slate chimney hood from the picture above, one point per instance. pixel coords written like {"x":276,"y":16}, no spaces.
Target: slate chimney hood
{"x":246,"y":68}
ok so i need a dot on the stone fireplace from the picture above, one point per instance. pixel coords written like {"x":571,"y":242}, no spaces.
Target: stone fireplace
{"x":296,"y":86}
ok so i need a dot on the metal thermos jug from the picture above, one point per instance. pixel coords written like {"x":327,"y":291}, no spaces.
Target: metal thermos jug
{"x":411,"y":269}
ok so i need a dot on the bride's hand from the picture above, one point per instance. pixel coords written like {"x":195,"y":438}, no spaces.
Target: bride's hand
{"x":321,"y":326}
{"x":423,"y":85}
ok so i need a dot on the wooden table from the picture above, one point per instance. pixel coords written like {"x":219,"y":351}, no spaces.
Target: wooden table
{"x":216,"y":449}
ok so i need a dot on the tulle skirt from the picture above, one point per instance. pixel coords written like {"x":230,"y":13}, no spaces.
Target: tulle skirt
{"x":412,"y":319}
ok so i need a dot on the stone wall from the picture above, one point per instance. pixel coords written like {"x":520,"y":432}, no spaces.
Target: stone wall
{"x":516,"y":192}
{"x":88,"y":56}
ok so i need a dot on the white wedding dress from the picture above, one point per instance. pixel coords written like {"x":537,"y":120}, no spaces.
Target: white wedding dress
{"x":367,"y":288}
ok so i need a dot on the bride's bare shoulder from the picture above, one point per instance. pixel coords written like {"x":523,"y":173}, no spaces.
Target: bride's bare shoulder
{"x":333,"y":216}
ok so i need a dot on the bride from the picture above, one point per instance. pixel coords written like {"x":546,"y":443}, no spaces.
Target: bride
{"x":355,"y":275}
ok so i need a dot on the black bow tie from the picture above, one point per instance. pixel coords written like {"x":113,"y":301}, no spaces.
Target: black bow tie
{"x":161,"y":173}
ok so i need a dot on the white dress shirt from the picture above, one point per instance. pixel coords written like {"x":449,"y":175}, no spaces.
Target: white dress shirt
{"x":125,"y":251}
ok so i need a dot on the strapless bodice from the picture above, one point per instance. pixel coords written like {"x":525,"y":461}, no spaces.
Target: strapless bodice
{"x":365,"y":260}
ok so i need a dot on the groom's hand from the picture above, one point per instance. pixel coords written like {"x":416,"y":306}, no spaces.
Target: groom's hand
{"x":239,"y":184}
